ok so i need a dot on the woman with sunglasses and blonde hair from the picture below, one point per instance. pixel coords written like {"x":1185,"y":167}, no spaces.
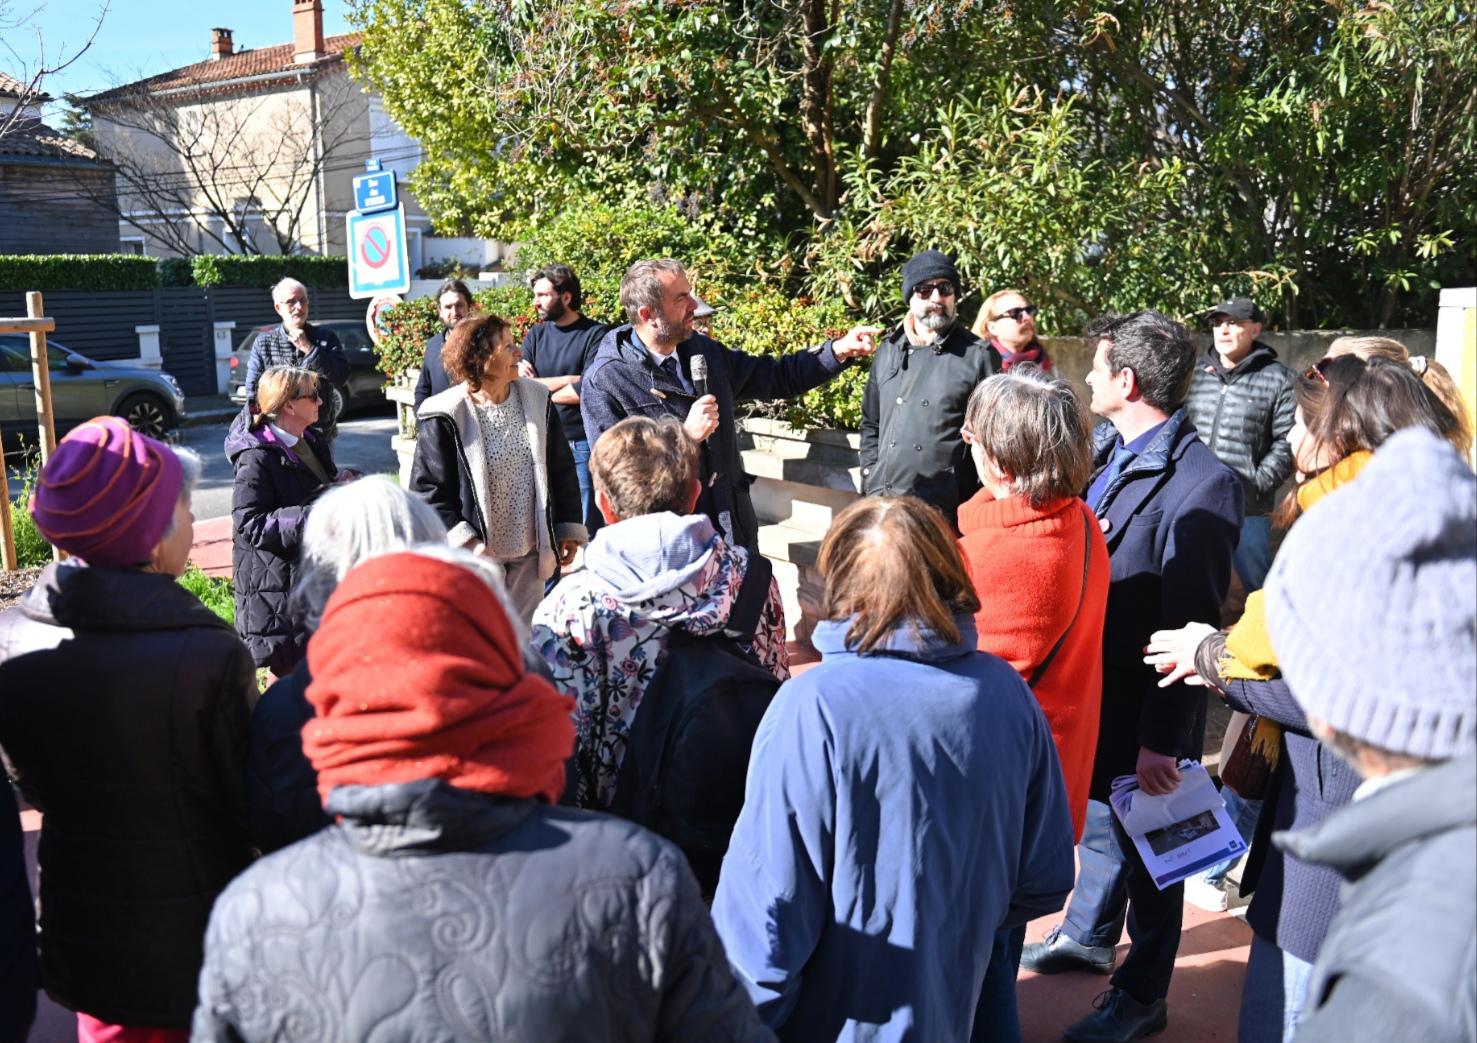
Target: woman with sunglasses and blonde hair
{"x":1347,"y":407}
{"x":1008,"y":322}
{"x":281,"y":466}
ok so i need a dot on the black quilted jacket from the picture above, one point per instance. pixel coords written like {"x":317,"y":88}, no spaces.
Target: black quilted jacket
{"x":435,"y":913}
{"x":1243,"y":416}
{"x":123,"y":715}
{"x":269,"y":504}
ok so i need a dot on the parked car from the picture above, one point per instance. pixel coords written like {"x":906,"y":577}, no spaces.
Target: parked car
{"x":81,"y":389}
{"x":366,"y":382}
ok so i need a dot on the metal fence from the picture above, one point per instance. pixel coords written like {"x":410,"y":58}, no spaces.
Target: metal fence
{"x":101,"y":325}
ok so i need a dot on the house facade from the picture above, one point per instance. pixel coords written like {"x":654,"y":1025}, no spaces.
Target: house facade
{"x":40,"y":213}
{"x":254,"y":151}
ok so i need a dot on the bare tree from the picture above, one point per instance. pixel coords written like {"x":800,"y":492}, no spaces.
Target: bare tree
{"x":32,"y":69}
{"x":200,"y":168}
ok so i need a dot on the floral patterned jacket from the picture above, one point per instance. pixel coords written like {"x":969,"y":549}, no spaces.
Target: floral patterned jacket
{"x":604,"y":630}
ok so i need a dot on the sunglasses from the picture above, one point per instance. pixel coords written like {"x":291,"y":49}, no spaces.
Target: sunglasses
{"x":926,"y":290}
{"x":315,"y":395}
{"x":1315,"y":372}
{"x":1017,"y":314}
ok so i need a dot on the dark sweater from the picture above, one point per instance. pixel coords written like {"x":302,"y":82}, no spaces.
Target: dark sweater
{"x":1294,"y":902}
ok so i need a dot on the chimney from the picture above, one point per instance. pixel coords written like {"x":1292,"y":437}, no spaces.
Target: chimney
{"x":220,"y":44}
{"x":307,"y":30}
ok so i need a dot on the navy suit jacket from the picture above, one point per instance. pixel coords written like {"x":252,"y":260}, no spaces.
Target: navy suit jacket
{"x":433,"y":379}
{"x":1171,"y":518}
{"x":623,"y":380}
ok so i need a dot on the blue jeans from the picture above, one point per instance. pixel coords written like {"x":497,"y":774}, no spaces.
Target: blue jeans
{"x":1272,"y":993}
{"x":1253,"y":557}
{"x":1243,"y":814}
{"x":592,"y":519}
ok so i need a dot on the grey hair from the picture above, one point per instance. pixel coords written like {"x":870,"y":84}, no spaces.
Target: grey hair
{"x":489,"y":572}
{"x":642,"y":285}
{"x":351,"y":524}
{"x":190,"y":467}
{"x":1036,"y":428}
{"x":287,"y":283}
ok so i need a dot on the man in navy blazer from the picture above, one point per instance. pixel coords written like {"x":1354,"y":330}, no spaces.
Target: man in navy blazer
{"x":453,"y":304}
{"x":644,"y":368}
{"x":1171,"y":513}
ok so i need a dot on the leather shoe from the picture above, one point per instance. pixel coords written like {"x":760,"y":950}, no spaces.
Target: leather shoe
{"x":1119,"y":1018}
{"x":1060,"y":953}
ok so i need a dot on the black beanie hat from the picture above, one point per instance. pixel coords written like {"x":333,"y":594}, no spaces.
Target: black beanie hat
{"x":930,"y":264}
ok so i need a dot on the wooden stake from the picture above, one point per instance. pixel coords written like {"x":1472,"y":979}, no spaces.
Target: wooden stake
{"x":41,"y":377}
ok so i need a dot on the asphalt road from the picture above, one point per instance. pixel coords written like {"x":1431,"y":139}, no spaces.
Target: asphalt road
{"x":363,"y":443}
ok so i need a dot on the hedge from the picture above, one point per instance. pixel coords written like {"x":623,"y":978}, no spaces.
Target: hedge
{"x":261,"y":271}
{"x":107,"y":272}
{"x":96,"y":272}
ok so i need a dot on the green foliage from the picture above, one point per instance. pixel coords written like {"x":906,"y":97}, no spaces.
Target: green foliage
{"x":262,"y":271}
{"x":31,"y":548}
{"x":97,"y":272}
{"x":600,"y":242}
{"x":768,"y":322}
{"x":176,"y":271}
{"x":1317,"y":154}
{"x":216,"y":594}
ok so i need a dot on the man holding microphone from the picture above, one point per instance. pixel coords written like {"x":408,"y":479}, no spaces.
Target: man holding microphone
{"x":656,"y":365}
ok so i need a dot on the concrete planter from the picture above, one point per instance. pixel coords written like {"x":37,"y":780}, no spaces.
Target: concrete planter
{"x":402,"y":393}
{"x":802,"y":479}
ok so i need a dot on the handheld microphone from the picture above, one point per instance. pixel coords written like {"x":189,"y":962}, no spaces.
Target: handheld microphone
{"x":699,"y":366}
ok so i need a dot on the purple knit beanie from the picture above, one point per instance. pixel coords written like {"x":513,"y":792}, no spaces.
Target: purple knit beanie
{"x":108,"y":493}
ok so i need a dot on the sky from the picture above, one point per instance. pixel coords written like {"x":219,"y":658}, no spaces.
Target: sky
{"x":137,"y":38}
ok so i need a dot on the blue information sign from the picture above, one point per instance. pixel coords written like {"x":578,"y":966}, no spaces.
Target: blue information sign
{"x":375,"y":192}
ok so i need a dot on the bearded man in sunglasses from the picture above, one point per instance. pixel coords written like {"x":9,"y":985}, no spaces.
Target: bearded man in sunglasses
{"x":913,"y":406}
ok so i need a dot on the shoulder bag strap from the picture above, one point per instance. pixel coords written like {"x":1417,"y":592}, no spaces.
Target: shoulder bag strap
{"x":1040,"y":671}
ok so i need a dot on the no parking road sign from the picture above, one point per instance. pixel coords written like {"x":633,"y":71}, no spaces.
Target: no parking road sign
{"x":377,"y":259}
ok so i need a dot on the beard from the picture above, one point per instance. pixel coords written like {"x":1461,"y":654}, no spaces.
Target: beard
{"x":553,"y":311}
{"x":936,"y":320}
{"x":671,"y":332}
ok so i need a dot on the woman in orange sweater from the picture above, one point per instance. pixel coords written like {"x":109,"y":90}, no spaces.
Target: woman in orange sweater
{"x":1037,"y":555}
{"x":1039,"y":563}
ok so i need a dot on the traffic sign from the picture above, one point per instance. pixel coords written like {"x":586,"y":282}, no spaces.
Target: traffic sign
{"x":378,"y":262}
{"x":375,"y":192}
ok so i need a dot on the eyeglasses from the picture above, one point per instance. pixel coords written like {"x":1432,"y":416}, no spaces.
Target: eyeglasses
{"x":1016,"y":314}
{"x":943,"y":287}
{"x":1315,"y":372}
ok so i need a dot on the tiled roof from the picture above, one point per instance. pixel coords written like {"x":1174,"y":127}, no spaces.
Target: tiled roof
{"x":10,"y":87}
{"x":263,"y":61}
{"x":35,"y":139}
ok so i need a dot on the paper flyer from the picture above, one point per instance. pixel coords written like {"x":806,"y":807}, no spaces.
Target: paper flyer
{"x":1180,"y":833}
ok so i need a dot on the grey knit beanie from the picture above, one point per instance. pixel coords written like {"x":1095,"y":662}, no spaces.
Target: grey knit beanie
{"x":1372,"y":602}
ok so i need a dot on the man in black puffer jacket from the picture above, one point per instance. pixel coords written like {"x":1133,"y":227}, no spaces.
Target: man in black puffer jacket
{"x":1242,"y":407}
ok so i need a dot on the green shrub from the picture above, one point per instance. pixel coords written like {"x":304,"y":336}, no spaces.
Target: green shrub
{"x":765,"y":321}
{"x":31,"y":549}
{"x":263,"y":272}
{"x":216,"y":594}
{"x":176,"y":271}
{"x":96,"y":272}
{"x":600,"y":242}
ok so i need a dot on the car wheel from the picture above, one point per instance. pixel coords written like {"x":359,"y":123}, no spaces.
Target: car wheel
{"x":147,"y":414}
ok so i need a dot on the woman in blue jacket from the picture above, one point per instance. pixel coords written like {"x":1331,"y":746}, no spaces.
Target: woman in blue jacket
{"x":904,"y":802}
